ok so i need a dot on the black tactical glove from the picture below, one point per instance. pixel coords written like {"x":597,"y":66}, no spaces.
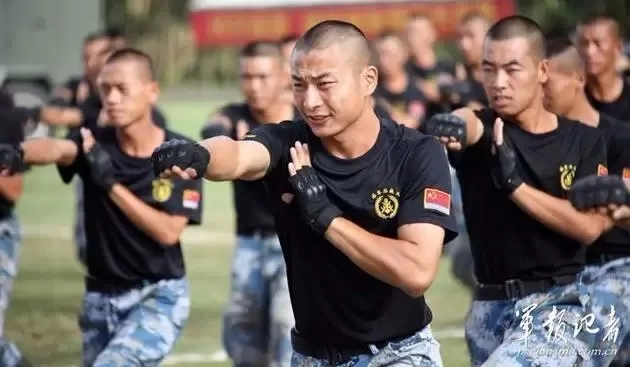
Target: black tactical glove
{"x":598,"y":191}
{"x":446,"y":125}
{"x":504,"y":172}
{"x":311,"y":196}
{"x":101,"y":167}
{"x":182,"y":154}
{"x":11,"y":159}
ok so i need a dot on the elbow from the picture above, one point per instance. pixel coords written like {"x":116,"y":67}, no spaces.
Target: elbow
{"x":168,"y":238}
{"x":416,"y":283}
{"x":593,"y":230}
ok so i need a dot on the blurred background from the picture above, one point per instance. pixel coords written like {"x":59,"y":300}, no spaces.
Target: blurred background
{"x":194,"y":45}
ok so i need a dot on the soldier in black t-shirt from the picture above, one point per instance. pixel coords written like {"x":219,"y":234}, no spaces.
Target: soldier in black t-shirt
{"x":137,"y":298}
{"x":565,"y":96}
{"x":11,"y":134}
{"x":516,"y":167}
{"x":362,"y":213}
{"x":397,"y":90}
{"x":258,"y":319}
{"x":600,"y":45}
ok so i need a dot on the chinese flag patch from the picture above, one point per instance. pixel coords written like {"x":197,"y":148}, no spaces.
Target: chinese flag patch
{"x":437,"y":200}
{"x":602,"y":170}
{"x":191,"y":199}
{"x":626,"y":174}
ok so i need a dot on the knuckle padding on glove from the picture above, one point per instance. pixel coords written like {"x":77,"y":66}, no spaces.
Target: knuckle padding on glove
{"x":598,"y":191}
{"x":182,"y":154}
{"x":446,"y":125}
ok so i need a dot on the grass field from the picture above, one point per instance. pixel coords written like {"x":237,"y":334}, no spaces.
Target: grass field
{"x":42,"y":314}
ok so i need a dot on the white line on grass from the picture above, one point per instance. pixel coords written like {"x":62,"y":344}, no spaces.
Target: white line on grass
{"x":193,"y":235}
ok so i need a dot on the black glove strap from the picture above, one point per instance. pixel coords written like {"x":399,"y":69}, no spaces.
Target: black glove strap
{"x":325,"y":219}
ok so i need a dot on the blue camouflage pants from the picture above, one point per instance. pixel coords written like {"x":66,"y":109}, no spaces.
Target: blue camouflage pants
{"x":537,"y":330}
{"x":9,"y":255}
{"x":79,"y":222}
{"x":258,"y":319}
{"x":610,"y":285}
{"x":419,"y":350}
{"x":136,"y":328}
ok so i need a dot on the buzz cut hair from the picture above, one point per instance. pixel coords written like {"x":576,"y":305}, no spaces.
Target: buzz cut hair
{"x":261,"y":49}
{"x":333,"y":32}
{"x":474,"y":15}
{"x":562,"y":50}
{"x":519,"y":26}
{"x":599,"y":18}
{"x":141,"y":58}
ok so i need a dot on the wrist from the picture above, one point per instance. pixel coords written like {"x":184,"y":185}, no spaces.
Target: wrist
{"x":325,"y":219}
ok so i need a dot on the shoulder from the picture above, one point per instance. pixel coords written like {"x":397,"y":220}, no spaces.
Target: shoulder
{"x":172,"y":135}
{"x":413,"y":143}
{"x":586,"y":136}
{"x":234,"y":110}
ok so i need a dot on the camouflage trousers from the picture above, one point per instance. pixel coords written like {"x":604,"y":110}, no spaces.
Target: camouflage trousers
{"x":544,"y":329}
{"x":418,"y":350}
{"x":9,"y":255}
{"x":136,"y":328}
{"x":258,"y":319}
{"x":610,"y":286}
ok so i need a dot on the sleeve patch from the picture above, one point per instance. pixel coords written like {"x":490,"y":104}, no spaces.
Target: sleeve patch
{"x":437,"y":200}
{"x":191,"y":199}
{"x":603,"y":170}
{"x":626,"y":174}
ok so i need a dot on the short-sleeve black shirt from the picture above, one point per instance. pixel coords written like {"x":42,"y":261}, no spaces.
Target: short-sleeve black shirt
{"x":335,"y":303}
{"x":619,"y":108}
{"x":117,"y":249}
{"x":410,"y":101}
{"x":254,"y":211}
{"x":12,"y":133}
{"x":506,"y":242}
{"x":615,"y":242}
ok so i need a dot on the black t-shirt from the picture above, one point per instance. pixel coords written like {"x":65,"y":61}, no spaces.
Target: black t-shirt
{"x":441,"y":67}
{"x":118,"y":250}
{"x":472,"y":90}
{"x":11,"y":132}
{"x":617,"y":134}
{"x":411,"y":101}
{"x":254,"y":211}
{"x":619,"y":108}
{"x":335,"y":303}
{"x":506,"y":242}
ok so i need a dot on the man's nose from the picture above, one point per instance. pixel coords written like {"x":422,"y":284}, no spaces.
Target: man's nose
{"x":312,"y":98}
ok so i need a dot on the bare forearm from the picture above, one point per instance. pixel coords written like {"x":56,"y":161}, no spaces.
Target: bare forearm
{"x":154,"y":223}
{"x":11,"y":187}
{"x":386,"y":259}
{"x":231,"y":160}
{"x":42,"y":151}
{"x":61,"y":116}
{"x":559,"y":215}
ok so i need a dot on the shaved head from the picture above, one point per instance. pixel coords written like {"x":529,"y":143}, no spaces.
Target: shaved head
{"x":518,"y":26}
{"x":140,"y":59}
{"x":609,"y":22}
{"x":564,"y":56}
{"x":337,"y":33}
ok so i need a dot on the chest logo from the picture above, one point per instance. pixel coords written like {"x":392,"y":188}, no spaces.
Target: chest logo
{"x":567,"y":175}
{"x":386,"y":203}
{"x":162,"y":190}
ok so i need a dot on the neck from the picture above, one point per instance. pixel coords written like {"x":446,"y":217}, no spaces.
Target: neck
{"x":582,"y":111}
{"x":140,"y":138}
{"x":425,"y":58}
{"x":605,"y":87}
{"x":357,"y":139}
{"x":536,"y":119}
{"x":276,"y":113}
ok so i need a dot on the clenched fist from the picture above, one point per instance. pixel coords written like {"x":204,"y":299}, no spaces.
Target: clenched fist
{"x":450,"y":129}
{"x":180,"y":158}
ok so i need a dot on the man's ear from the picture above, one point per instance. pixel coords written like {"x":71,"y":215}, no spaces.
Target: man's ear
{"x":370,"y":80}
{"x":543,"y":70}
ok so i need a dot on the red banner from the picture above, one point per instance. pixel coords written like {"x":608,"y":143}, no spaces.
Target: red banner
{"x":237,"y":26}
